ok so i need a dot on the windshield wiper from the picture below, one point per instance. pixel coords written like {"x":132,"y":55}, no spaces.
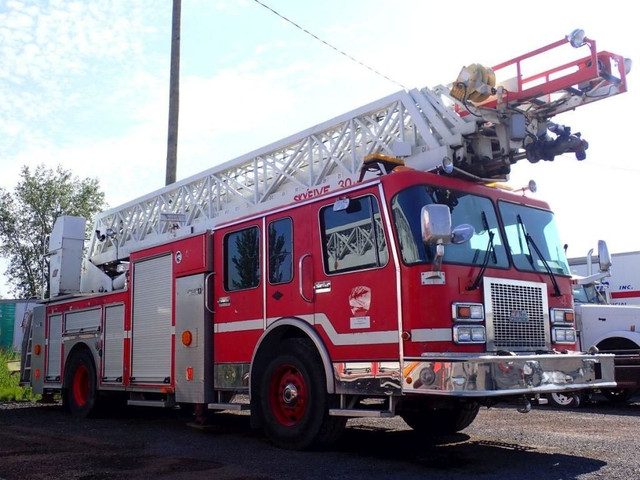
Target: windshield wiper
{"x":531,"y":244}
{"x":490,"y":251}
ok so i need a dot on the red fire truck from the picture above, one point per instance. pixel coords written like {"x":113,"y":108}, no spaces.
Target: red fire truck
{"x":368,"y":266}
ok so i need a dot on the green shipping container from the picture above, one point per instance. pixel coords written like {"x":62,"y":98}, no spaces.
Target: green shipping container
{"x":7,"y":322}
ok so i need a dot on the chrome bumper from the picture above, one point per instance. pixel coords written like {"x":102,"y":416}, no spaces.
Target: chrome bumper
{"x":494,"y":376}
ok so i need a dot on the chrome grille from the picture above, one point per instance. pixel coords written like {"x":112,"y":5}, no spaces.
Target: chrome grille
{"x":517,"y":315}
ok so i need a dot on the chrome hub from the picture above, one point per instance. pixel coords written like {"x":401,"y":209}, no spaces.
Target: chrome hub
{"x":290,"y":394}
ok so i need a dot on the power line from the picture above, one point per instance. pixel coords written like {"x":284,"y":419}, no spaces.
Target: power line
{"x":330,"y":45}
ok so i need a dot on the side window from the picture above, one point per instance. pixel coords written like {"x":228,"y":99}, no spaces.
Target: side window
{"x":280,"y":251}
{"x":242,"y":259}
{"x":353,"y":238}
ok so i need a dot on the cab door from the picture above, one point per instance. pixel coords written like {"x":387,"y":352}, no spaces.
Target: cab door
{"x":354,"y":280}
{"x":289,"y":253}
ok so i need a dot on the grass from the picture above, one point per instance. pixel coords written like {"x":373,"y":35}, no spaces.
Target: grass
{"x":10,"y":389}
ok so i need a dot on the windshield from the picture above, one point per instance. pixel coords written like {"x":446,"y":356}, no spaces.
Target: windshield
{"x":465,"y":208}
{"x":588,"y":294}
{"x":527,"y":228}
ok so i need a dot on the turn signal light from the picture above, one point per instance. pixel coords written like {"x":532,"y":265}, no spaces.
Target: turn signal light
{"x":467,"y":312}
{"x":562,"y":316}
{"x":36,"y":349}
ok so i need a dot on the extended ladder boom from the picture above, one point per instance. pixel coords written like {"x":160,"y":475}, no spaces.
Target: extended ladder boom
{"x":428,"y":129}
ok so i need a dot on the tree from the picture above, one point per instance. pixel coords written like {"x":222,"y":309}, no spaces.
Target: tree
{"x":246,"y":259}
{"x":280,"y":259}
{"x":27,"y":216}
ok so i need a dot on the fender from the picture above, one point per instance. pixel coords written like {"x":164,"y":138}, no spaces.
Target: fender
{"x":309,"y":331}
{"x":626,"y":334}
{"x":71,"y":348}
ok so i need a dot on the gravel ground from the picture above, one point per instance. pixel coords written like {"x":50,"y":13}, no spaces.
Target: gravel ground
{"x":599,"y":441}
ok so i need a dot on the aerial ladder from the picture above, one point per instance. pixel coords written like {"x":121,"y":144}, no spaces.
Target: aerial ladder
{"x":477,"y":128}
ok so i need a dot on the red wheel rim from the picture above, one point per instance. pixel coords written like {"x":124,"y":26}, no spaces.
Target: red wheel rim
{"x":80,"y":385}
{"x":288,"y":395}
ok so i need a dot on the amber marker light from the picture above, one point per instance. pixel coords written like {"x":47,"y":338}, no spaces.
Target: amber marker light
{"x":187,"y":338}
{"x":467,"y":312}
{"x":36,"y":349}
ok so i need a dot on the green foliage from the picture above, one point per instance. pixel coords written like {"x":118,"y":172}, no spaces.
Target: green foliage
{"x":27,"y":216}
{"x":246,"y":259}
{"x":10,"y":389}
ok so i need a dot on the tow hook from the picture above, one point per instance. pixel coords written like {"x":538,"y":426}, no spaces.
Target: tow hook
{"x":526,"y":405}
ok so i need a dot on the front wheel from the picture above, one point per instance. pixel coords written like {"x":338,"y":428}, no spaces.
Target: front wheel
{"x":424,"y":418}
{"x":81,"y":393}
{"x":561,"y":400}
{"x":294,"y":400}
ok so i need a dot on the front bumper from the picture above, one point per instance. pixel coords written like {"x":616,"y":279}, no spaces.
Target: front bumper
{"x":495,"y":376}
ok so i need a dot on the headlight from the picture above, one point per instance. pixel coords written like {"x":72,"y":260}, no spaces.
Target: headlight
{"x":563,"y":335}
{"x":467,"y":312}
{"x":563,"y":316}
{"x":469,"y":334}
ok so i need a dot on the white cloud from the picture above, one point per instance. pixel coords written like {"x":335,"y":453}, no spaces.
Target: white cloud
{"x":64,"y":55}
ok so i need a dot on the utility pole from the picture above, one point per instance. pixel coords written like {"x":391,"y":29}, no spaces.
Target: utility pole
{"x":174,"y":96}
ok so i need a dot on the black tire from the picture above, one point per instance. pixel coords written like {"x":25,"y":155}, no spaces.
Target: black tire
{"x":293,"y":399}
{"x":81,"y":391}
{"x":618,"y":395}
{"x":562,"y":400}
{"x":424,"y":418}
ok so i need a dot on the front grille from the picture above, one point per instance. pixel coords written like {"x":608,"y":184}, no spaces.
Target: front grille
{"x":516,"y":315}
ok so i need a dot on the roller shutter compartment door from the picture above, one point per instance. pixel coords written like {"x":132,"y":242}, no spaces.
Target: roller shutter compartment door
{"x":151,"y":326}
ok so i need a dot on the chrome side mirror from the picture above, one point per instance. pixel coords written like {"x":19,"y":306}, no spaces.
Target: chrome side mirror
{"x":603,"y":256}
{"x":436,"y":227}
{"x":436,"y":224}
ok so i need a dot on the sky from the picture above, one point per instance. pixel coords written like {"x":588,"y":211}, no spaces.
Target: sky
{"x":85,"y":84}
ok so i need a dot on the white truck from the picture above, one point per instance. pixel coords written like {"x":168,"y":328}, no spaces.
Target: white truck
{"x":622,"y":283}
{"x":607,"y":308}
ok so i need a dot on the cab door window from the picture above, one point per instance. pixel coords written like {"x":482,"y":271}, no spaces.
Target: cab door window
{"x":242,"y":259}
{"x":353,"y":238}
{"x":280,"y":251}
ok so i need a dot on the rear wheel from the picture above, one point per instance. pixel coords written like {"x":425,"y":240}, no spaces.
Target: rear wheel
{"x":294,"y":400}
{"x":427,"y":419}
{"x":81,"y":393}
